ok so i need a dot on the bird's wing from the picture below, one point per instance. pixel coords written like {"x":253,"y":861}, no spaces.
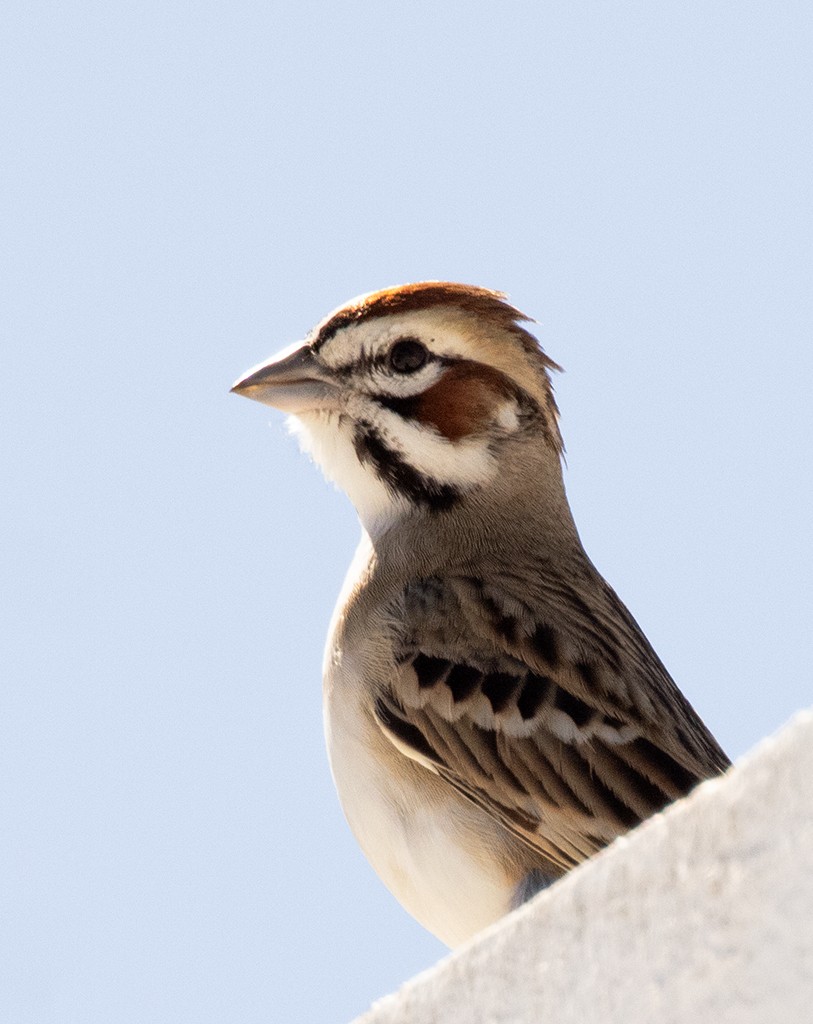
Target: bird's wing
{"x":553,"y":713}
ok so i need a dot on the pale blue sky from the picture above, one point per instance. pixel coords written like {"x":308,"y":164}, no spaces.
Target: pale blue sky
{"x":187,"y":188}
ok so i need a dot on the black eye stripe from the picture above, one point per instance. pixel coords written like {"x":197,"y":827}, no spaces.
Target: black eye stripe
{"x":408,"y":355}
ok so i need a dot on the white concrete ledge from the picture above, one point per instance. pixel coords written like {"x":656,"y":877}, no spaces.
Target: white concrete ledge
{"x":703,"y":914}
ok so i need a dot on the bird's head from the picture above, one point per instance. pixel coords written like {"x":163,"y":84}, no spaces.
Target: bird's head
{"x":416,"y":398}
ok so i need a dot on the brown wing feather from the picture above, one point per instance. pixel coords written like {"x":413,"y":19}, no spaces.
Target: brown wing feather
{"x":558,"y":719}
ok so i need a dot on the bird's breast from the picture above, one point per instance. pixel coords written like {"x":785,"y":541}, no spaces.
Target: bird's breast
{"x":440,"y":856}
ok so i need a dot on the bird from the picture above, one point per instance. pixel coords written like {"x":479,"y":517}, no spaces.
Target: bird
{"x":493,"y":713}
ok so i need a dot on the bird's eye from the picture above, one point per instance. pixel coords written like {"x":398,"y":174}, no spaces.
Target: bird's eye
{"x":408,"y":355}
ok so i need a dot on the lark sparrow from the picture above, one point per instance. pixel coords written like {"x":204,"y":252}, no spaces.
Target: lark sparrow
{"x":494,"y":715}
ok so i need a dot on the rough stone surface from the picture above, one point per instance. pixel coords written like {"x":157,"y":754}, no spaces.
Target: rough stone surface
{"x":703,"y":914}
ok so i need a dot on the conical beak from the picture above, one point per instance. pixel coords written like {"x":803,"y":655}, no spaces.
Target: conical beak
{"x":292,"y":381}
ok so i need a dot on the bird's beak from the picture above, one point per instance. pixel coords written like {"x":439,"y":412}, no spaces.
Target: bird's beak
{"x":292,"y":381}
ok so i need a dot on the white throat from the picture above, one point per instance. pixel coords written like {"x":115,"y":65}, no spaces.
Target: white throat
{"x":327,"y":437}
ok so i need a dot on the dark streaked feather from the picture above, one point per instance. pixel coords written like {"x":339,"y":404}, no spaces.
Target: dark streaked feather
{"x":566,"y":746}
